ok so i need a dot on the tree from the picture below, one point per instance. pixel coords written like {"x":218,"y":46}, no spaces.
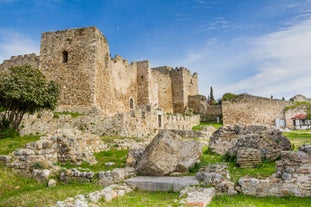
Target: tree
{"x":211,"y":99}
{"x":24,"y":90}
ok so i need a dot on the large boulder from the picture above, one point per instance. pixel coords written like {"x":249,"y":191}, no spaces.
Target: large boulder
{"x":231,"y":139}
{"x":168,"y":153}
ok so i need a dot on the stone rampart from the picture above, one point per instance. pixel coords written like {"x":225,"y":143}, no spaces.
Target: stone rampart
{"x":252,"y":110}
{"x":28,"y":59}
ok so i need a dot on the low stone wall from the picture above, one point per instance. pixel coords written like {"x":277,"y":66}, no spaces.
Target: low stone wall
{"x":181,"y":122}
{"x":105,"y":178}
{"x":191,"y":134}
{"x":138,"y":123}
{"x":91,"y":199}
{"x":292,"y":177}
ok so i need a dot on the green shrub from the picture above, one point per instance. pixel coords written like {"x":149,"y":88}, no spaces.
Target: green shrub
{"x":195,"y":168}
{"x":229,"y":97}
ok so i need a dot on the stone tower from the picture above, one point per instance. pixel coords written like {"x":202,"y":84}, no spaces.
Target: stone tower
{"x":70,"y":58}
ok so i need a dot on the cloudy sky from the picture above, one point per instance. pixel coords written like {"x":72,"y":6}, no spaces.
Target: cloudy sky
{"x":259,"y":47}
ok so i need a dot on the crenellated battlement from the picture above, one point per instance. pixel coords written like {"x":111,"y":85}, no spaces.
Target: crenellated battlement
{"x":27,"y":59}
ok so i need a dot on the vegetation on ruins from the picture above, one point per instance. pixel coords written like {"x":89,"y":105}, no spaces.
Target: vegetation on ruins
{"x":203,"y":123}
{"x":298,"y":104}
{"x":23,"y":191}
{"x":23,"y":89}
{"x":229,"y":97}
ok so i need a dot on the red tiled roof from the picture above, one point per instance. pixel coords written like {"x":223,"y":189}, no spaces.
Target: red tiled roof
{"x":300,"y":116}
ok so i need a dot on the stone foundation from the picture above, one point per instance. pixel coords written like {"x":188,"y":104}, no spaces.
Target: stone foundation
{"x":293,"y":177}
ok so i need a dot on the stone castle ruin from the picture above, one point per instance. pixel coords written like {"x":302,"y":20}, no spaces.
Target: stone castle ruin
{"x":253,"y":110}
{"x":94,"y":83}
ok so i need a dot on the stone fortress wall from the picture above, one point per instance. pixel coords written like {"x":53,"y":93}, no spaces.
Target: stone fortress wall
{"x":30,"y":59}
{"x":79,"y":60}
{"x":252,"y":110}
{"x":127,"y":96}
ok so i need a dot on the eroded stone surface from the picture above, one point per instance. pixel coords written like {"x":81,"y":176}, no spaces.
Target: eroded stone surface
{"x":269,"y":140}
{"x":168,"y":153}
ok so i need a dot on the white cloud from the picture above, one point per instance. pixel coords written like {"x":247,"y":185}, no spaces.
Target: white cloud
{"x":285,"y":58}
{"x":13,"y":43}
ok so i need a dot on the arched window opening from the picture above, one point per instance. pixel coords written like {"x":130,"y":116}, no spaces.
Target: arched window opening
{"x":131,"y":103}
{"x":65,"y":56}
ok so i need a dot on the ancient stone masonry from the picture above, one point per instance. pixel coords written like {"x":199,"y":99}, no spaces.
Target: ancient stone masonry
{"x":292,"y":177}
{"x":38,"y":158}
{"x":133,"y":95}
{"x":252,"y":110}
{"x":29,"y":59}
{"x":231,"y":139}
{"x":137,"y":123}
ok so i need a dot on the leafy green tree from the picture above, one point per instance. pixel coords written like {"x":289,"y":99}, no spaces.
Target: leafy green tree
{"x":24,"y":90}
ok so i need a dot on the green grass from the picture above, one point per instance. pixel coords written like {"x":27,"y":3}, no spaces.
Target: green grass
{"x":72,"y":114}
{"x":251,"y":201}
{"x":17,"y":190}
{"x":8,"y":145}
{"x":113,"y":155}
{"x":262,"y":171}
{"x":298,"y":137}
{"x":145,"y":199}
{"x":202,"y":124}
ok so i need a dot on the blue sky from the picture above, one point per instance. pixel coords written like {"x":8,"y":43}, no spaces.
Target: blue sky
{"x":260,"y":47}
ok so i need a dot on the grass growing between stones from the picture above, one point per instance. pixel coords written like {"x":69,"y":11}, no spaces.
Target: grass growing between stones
{"x":17,"y":190}
{"x":8,"y":145}
{"x":264,"y":170}
{"x":112,"y":155}
{"x":203,"y":123}
{"x":251,"y":201}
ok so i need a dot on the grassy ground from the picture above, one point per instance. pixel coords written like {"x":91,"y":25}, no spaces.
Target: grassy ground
{"x":298,"y":137}
{"x":262,"y":171}
{"x":251,"y":201}
{"x":17,"y":190}
{"x":8,"y":145}
{"x":202,"y":124}
{"x":145,"y":199}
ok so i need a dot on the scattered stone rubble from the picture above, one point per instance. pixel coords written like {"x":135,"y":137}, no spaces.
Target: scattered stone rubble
{"x":196,"y":196}
{"x":65,"y":145}
{"x":218,"y":176}
{"x":168,"y":153}
{"x":92,"y":199}
{"x":231,"y":139}
{"x":292,"y":177}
